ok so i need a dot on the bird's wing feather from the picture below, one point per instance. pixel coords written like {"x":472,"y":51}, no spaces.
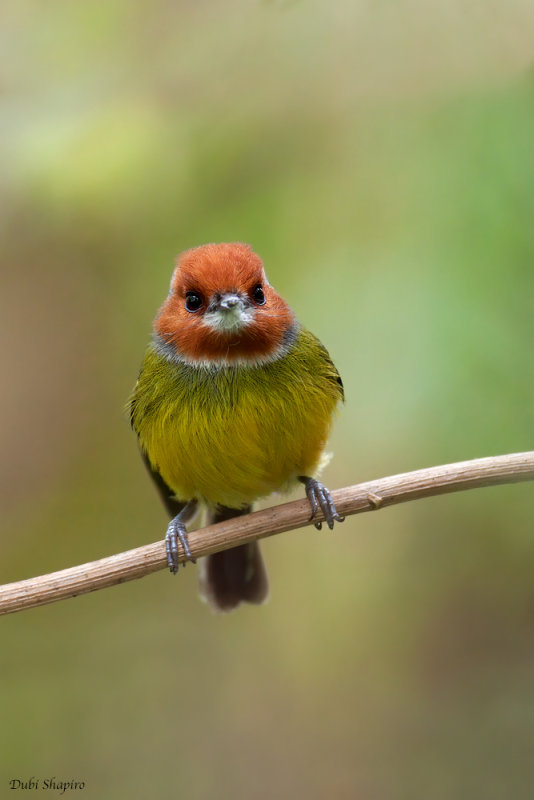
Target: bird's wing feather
{"x":168,"y":498}
{"x":170,"y":502}
{"x":331,"y":371}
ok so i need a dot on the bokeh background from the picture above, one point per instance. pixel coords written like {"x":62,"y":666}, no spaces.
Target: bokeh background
{"x":380,"y":158}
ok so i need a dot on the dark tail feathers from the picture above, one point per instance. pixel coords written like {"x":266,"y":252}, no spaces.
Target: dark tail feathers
{"x":234,"y":576}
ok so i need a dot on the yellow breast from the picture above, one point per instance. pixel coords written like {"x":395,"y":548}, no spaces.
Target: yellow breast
{"x":229,"y":436}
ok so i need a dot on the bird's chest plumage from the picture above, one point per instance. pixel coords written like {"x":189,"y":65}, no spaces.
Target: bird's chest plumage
{"x":232,"y":435}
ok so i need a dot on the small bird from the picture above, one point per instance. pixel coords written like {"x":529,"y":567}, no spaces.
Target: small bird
{"x":234,"y":401}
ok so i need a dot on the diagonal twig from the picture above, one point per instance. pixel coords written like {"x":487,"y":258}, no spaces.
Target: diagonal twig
{"x":288,"y":516}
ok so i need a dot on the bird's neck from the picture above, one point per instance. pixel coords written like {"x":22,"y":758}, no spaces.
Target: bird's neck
{"x":237,"y":350}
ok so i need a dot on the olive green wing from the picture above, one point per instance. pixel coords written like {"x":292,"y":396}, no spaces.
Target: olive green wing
{"x":166,"y":494}
{"x":330,"y":369}
{"x":335,"y":377}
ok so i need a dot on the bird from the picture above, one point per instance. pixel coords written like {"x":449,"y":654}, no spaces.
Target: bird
{"x":234,"y":401}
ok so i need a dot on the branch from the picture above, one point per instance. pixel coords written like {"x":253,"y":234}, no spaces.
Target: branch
{"x":350,"y":500}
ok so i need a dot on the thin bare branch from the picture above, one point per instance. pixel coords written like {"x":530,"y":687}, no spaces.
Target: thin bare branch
{"x":350,"y":500}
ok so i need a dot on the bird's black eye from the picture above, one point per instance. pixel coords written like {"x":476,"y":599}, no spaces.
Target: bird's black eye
{"x":193,"y":301}
{"x":258,"y":296}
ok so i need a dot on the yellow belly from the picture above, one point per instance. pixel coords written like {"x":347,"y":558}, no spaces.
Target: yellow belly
{"x":234,"y":455}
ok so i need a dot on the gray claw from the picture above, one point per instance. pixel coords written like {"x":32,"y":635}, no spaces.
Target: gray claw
{"x":319,"y":496}
{"x":175,"y":531}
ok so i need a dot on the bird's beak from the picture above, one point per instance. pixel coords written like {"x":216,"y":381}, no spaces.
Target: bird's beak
{"x":228,"y":313}
{"x":229,"y":302}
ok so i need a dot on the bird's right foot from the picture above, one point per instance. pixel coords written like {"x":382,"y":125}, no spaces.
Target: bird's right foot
{"x":176,"y":532}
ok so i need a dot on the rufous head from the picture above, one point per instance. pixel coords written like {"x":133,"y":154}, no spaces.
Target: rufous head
{"x":221,"y":309}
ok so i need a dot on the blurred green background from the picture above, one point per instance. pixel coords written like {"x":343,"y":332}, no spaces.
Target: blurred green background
{"x":380,"y":158}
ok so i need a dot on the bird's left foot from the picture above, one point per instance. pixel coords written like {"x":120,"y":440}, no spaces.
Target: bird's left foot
{"x":320,"y":498}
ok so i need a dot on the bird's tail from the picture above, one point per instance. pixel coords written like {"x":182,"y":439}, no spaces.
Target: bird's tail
{"x":234,"y":576}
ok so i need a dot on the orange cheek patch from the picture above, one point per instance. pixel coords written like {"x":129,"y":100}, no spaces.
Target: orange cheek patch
{"x":197,"y":342}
